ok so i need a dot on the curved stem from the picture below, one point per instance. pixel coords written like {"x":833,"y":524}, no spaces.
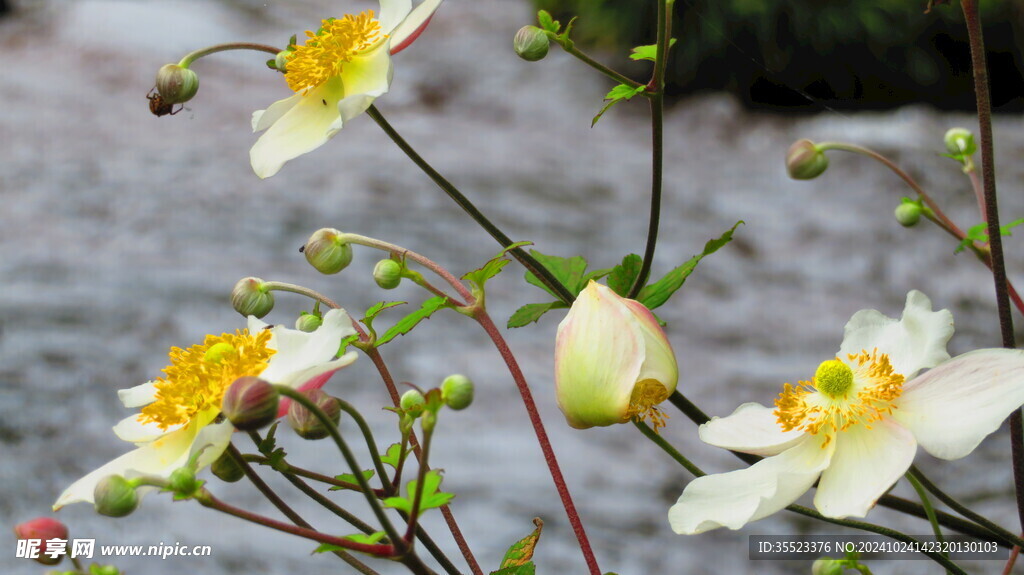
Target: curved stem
{"x":1008,"y":568}
{"x":301,"y":290}
{"x":927,"y":503}
{"x":964,"y":510}
{"x":571,"y":48}
{"x":193,"y":56}
{"x":326,"y":503}
{"x":421,"y":476}
{"x":487,"y":323}
{"x":371,"y":445}
{"x":300,"y":472}
{"x":524,"y":258}
{"x":263,"y":488}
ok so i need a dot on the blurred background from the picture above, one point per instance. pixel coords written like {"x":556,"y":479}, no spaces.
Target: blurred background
{"x":122,"y":234}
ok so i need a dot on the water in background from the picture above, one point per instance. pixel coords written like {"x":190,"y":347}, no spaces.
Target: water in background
{"x":121,"y":235}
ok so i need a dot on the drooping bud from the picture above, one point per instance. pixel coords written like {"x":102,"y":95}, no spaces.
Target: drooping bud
{"x":176,"y":84}
{"x":960,"y":141}
{"x":42,"y":528}
{"x":908,"y":213}
{"x":457,"y":391}
{"x":413,"y":402}
{"x":250,"y":403}
{"x":387,"y":273}
{"x":326,"y":251}
{"x":308,"y":322}
{"x":531,"y":43}
{"x":250,"y":296}
{"x":227,"y":469}
{"x":183,"y":481}
{"x":306,"y":423}
{"x":115,"y":496}
{"x":804,"y":161}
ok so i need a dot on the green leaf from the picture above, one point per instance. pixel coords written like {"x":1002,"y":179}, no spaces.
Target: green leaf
{"x":521,"y":551}
{"x":431,"y":497}
{"x":545,"y":21}
{"x":524,"y":569}
{"x":374,"y":311}
{"x":393,"y":455}
{"x":570,"y":272}
{"x":623,"y":276}
{"x":531,"y":312}
{"x":492,"y":267}
{"x":654,"y":295}
{"x":616,"y":95}
{"x":350,"y":478}
{"x":649,"y":52}
{"x":564,"y":36}
{"x":408,"y":322}
{"x":979,"y":233}
{"x":371,"y":539}
{"x":347,"y":341}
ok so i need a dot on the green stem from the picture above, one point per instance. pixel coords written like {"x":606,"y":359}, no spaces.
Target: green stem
{"x":297,"y":289}
{"x":524,"y":258}
{"x":371,"y":445}
{"x":927,"y":503}
{"x":668,"y":448}
{"x":326,"y":503}
{"x":421,"y":476}
{"x":964,"y":510}
{"x":265,"y":489}
{"x":571,"y":48}
{"x":193,"y":56}
{"x":289,"y":468}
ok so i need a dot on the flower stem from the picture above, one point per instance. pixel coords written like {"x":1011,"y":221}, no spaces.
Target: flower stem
{"x":963,"y":510}
{"x":995,"y":240}
{"x":371,"y":445}
{"x":421,"y":477}
{"x":297,"y":289}
{"x":193,"y":56}
{"x":668,"y":448}
{"x":467,"y":206}
{"x":926,"y":501}
{"x":487,"y":323}
{"x":570,"y":48}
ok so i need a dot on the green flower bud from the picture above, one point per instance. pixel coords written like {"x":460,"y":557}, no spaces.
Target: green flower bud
{"x":429,"y":421}
{"x":250,"y":403}
{"x":387,"y":273}
{"x":326,"y":252}
{"x":183,"y":482}
{"x":115,"y":496}
{"x":531,"y":43}
{"x":960,"y":141}
{"x":308,"y":322}
{"x":250,"y":296}
{"x":827,"y":566}
{"x":457,"y":391}
{"x":908,"y":214}
{"x":176,"y":84}
{"x":413,"y":402}
{"x":281,"y":60}
{"x":308,"y":425}
{"x":227,"y":469}
{"x":804,"y":161}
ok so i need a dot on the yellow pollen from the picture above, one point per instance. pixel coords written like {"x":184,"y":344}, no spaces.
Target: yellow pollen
{"x":198,"y":376}
{"x":327,"y":50}
{"x":643,"y":403}
{"x":812,"y":406}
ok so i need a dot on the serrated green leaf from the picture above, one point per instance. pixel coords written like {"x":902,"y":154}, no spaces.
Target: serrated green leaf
{"x":623,"y":276}
{"x":493,"y":267}
{"x":371,"y":539}
{"x":568,"y":271}
{"x":545,"y":21}
{"x":269,"y":441}
{"x":979,"y":233}
{"x":431,"y":498}
{"x":521,"y":551}
{"x":564,"y":36}
{"x":532,"y":312}
{"x":378,"y":307}
{"x":656,"y":294}
{"x":350,"y":478}
{"x":649,"y":52}
{"x":617,"y":94}
{"x":347,"y":341}
{"x":524,"y":569}
{"x":393,"y":455}
{"x":406,"y":324}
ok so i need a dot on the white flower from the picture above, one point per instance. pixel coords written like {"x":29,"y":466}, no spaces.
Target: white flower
{"x":179,"y":411}
{"x":857,"y":424}
{"x":336,"y":75}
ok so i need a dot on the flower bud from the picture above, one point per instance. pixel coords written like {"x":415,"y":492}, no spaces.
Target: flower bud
{"x":308,"y":322}
{"x":176,"y":84}
{"x":326,"y":251}
{"x":960,"y":141}
{"x":908,"y":213}
{"x":281,"y":60}
{"x":42,"y":528}
{"x":804,"y":161}
{"x":612,"y":361}
{"x":827,"y":566}
{"x":306,"y":423}
{"x":250,"y":296}
{"x":183,"y":482}
{"x":457,"y":391}
{"x":531,"y":43}
{"x":95,"y":569}
{"x":227,"y":469}
{"x":250,"y":403}
{"x":413,"y":402}
{"x":387,"y":273}
{"x":115,"y":496}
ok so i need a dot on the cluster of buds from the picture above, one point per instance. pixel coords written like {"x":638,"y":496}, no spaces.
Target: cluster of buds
{"x":455,"y":392}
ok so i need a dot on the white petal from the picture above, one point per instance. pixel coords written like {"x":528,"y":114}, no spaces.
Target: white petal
{"x":392,"y":12}
{"x":139,"y":395}
{"x":866,"y":463}
{"x":255,"y":324}
{"x":659,"y":359}
{"x":263,"y":119}
{"x":736,"y":498}
{"x":952,"y":407}
{"x":916,"y":341}
{"x":300,"y":354}
{"x":365,"y":79}
{"x":305,"y":127}
{"x":133,"y":430}
{"x":752,"y":428}
{"x":215,"y":438}
{"x":411,"y":27}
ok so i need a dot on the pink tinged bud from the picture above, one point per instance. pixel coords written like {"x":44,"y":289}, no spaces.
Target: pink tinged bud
{"x":250,"y":403}
{"x":306,"y":424}
{"x":43,"y":529}
{"x":804,"y":161}
{"x":612,"y":361}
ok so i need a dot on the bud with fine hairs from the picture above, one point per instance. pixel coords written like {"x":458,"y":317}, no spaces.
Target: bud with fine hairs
{"x":250,"y":403}
{"x":457,"y":391}
{"x":305,"y":423}
{"x":413,"y":403}
{"x":308,"y":322}
{"x":531,"y":43}
{"x":327,"y":252}
{"x":250,"y":296}
{"x":42,"y":528}
{"x":804,"y":161}
{"x":960,"y":141}
{"x":387,"y":273}
{"x":115,"y":496}
{"x":176,"y":84}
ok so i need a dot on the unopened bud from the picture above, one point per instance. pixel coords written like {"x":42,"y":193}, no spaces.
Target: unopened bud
{"x":183,"y":482}
{"x":531,"y":43}
{"x":960,"y":141}
{"x":176,"y":84}
{"x":281,"y":60}
{"x":457,"y":391}
{"x":827,"y":566}
{"x":308,"y":322}
{"x":804,"y":161}
{"x":227,"y":469}
{"x":43,"y":528}
{"x":115,"y":496}
{"x":908,"y":213}
{"x":306,"y":423}
{"x":250,"y":296}
{"x":413,"y":402}
{"x":387,"y":273}
{"x":326,"y":251}
{"x":250,"y":403}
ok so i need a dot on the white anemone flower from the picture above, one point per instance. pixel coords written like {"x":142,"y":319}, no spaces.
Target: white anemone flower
{"x":179,"y":415}
{"x":856,"y":426}
{"x":342,"y":68}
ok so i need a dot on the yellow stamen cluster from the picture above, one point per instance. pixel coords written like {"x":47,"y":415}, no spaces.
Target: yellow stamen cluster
{"x":198,"y":376}
{"x":867,"y":399}
{"x":327,"y":50}
{"x":643,"y":402}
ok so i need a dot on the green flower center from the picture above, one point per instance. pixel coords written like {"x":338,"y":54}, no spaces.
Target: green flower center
{"x":833,"y":378}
